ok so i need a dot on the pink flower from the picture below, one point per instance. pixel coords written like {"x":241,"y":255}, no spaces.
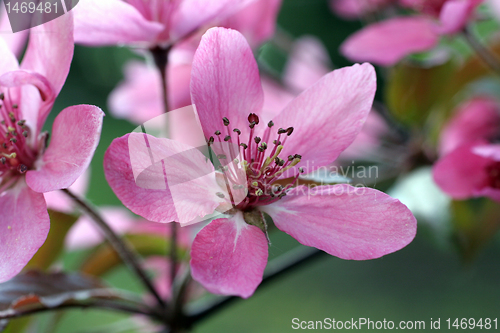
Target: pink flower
{"x":470,"y":164}
{"x":353,"y":9}
{"x":27,"y":167}
{"x":475,"y":120}
{"x":229,"y":254}
{"x":139,"y":97}
{"x":387,"y":42}
{"x":147,"y":22}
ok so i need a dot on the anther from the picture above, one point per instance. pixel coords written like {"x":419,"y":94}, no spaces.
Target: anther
{"x":2,"y":96}
{"x":243,"y":145}
{"x":301,"y":170}
{"x":21,"y":122}
{"x":289,"y":131}
{"x":25,"y":134}
{"x":257,"y":139}
{"x":276,"y":142}
{"x":15,"y":106}
{"x":270,"y":124}
{"x":210,"y":141}
{"x":290,"y":157}
{"x":22,"y":168}
{"x":217,"y":132}
{"x":281,"y":131}
{"x":237,"y":131}
{"x":259,"y":192}
{"x":225,"y":121}
{"x":227,"y":138}
{"x":220,"y":195}
{"x":253,"y":118}
{"x":3,"y":160}
{"x":13,"y":140}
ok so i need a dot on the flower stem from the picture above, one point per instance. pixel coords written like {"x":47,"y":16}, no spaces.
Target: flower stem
{"x":482,"y":52}
{"x":160,"y":56}
{"x":129,"y":257}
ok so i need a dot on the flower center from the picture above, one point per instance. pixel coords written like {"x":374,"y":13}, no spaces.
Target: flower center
{"x":493,"y":171}
{"x":261,"y":162}
{"x":16,"y":157}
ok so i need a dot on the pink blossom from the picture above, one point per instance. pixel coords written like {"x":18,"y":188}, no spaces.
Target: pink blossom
{"x":387,"y":42}
{"x":147,"y":23}
{"x":27,"y":167}
{"x":470,"y":164}
{"x":139,"y":97}
{"x":471,"y":170}
{"x":230,"y":253}
{"x":474,"y":120}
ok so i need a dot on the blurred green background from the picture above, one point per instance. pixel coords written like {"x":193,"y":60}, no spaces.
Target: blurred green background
{"x":420,"y":282}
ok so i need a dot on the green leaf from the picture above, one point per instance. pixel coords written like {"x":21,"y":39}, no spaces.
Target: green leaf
{"x":475,"y":222}
{"x":413,"y":91}
{"x":60,"y":223}
{"x":103,"y":258}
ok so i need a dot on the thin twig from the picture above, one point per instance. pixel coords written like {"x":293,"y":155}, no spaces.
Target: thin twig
{"x":482,"y":52}
{"x":160,"y":56}
{"x":103,"y":304}
{"x":275,"y":268}
{"x":129,"y":256}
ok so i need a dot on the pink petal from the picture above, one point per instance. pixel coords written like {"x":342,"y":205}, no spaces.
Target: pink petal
{"x":59,"y":201}
{"x":455,"y":14}
{"x":328,"y":116}
{"x":345,"y":221}
{"x":489,"y":192}
{"x":35,"y":94}
{"x":110,"y":22}
{"x":491,"y":151}
{"x":388,"y":42}
{"x":9,"y":61}
{"x":139,"y":98}
{"x":276,"y":97}
{"x":192,"y":15}
{"x":228,"y":257}
{"x":461,"y":173}
{"x":140,"y":183}
{"x":307,"y":64}
{"x":476,"y":119}
{"x":15,"y":41}
{"x":225,"y":81}
{"x":50,"y":50}
{"x":256,"y":22}
{"x":24,"y":224}
{"x":75,"y":135}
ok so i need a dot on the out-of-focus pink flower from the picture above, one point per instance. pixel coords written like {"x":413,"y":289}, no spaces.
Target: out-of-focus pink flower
{"x":470,"y":164}
{"x":474,"y":120}
{"x":27,"y":167}
{"x":229,"y":254}
{"x":387,"y":42}
{"x":471,"y":170}
{"x":148,"y":23}
{"x":139,"y":97}
{"x":354,"y":9}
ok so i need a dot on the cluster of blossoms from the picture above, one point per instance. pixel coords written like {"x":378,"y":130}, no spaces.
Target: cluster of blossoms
{"x":258,"y":140}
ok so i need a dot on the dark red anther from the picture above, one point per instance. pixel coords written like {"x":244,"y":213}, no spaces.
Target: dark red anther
{"x":22,"y":168}
{"x":257,"y":139}
{"x":237,"y":131}
{"x":282,"y":131}
{"x":253,"y":118}
{"x":289,"y":131}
